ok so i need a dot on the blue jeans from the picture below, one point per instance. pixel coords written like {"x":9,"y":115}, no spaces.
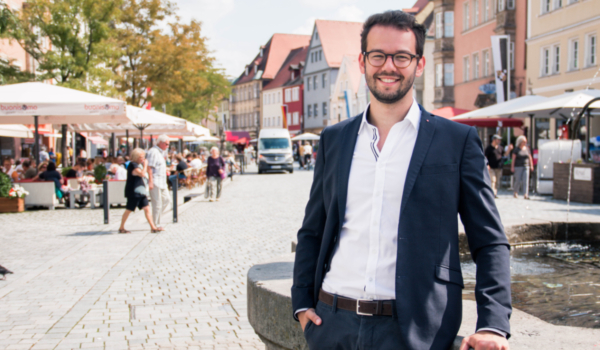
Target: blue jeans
{"x":346,"y":330}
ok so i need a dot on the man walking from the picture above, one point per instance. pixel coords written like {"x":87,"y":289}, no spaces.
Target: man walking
{"x":157,"y":178}
{"x":377,"y":261}
{"x":493,"y":153}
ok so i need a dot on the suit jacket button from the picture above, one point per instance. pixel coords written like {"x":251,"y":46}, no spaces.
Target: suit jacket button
{"x":325,"y":267}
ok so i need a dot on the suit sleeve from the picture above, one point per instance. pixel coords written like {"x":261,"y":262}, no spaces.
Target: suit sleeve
{"x":487,"y":240}
{"x":309,"y":238}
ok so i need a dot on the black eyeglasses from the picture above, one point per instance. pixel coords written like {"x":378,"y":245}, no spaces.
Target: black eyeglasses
{"x":401,"y":60}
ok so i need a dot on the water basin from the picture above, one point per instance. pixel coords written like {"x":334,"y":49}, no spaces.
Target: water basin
{"x":557,"y":282}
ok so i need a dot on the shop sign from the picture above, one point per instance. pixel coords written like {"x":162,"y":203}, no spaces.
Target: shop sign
{"x":582,"y":174}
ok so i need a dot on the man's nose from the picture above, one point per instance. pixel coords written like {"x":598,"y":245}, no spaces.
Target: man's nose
{"x":389,"y":63}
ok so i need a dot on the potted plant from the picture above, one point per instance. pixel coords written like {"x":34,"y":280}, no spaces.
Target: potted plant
{"x":11,"y":196}
{"x":100,"y":173}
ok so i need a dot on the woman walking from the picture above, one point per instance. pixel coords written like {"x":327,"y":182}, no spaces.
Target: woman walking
{"x":215,"y":172}
{"x":136,"y":190}
{"x":521,"y":165}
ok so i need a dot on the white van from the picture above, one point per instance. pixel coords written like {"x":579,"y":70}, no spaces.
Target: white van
{"x":275,"y":150}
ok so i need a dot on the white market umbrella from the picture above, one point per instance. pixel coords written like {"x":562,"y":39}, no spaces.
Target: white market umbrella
{"x":307,"y":136}
{"x":34,"y":103}
{"x":206,"y":139}
{"x":16,"y":130}
{"x":562,"y":106}
{"x":511,"y":108}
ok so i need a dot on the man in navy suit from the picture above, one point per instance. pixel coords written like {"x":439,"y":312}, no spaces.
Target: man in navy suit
{"x":377,"y":261}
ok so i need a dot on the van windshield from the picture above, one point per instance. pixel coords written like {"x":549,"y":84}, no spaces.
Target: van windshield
{"x":281,"y":143}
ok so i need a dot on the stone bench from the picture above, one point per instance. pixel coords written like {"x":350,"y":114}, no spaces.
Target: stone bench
{"x":270,"y":305}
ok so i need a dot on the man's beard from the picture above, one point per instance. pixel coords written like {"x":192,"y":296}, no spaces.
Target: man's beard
{"x":393,"y":96}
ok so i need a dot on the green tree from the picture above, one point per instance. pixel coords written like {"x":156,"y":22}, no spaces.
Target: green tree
{"x":174,"y":63}
{"x":67,"y":39}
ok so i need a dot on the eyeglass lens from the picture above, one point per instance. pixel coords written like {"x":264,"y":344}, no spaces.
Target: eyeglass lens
{"x":400,"y":60}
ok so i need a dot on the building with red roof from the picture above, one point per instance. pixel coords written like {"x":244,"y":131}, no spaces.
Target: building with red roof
{"x":329,"y":43}
{"x":282,"y":97}
{"x":245,"y":102}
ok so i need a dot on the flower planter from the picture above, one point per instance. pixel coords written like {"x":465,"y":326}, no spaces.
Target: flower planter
{"x":12,"y":205}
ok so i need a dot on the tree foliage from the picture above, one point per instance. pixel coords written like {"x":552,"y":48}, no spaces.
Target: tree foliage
{"x":67,"y":38}
{"x":173,"y":63}
{"x":121,"y":48}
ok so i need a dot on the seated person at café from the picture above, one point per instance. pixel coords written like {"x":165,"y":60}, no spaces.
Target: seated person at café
{"x":188,"y":158}
{"x":117,"y":172}
{"x":181,"y":166}
{"x":196,"y":163}
{"x":51,"y":174}
{"x":7,"y":167}
{"x":77,"y":170}
{"x":121,"y":162}
{"x":29,"y":169}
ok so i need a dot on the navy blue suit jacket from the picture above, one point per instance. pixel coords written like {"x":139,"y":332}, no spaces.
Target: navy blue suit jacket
{"x":447,"y":176}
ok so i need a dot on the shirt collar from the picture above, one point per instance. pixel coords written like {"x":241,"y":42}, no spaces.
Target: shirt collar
{"x":413,"y":116}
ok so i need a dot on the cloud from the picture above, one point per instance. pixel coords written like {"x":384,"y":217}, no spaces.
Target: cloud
{"x":326,"y":4}
{"x":306,"y":28}
{"x":350,"y":13}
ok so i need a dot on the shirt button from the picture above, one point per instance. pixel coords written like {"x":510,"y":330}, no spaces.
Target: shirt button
{"x":370,"y":279}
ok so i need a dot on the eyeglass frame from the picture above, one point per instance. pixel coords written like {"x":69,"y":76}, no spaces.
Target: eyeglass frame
{"x":412,"y":57}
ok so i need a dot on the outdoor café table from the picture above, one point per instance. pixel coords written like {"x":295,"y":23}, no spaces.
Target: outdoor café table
{"x":93,"y":192}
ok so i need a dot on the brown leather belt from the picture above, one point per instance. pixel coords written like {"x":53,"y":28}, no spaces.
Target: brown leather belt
{"x":361,"y":307}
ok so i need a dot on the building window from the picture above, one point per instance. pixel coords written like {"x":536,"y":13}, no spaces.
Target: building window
{"x":449,"y":74}
{"x":510,"y":4}
{"x":556,"y":64}
{"x":476,"y":66}
{"x":295,"y":118}
{"x":307,"y":84}
{"x":545,"y":61}
{"x":439,"y":29}
{"x":500,"y":5}
{"x":486,"y":63}
{"x":572,"y":1}
{"x":315,"y":79}
{"x":557,"y":4}
{"x":449,"y":24}
{"x":309,"y":110}
{"x":475,"y":12}
{"x":324,"y":80}
{"x":546,"y":6}
{"x":466,"y":68}
{"x":574,"y":55}
{"x":264,"y":99}
{"x":296,"y":94}
{"x":320,"y":55}
{"x":312,"y":57}
{"x":324,"y":108}
{"x":466,"y":16}
{"x":439,"y":75}
{"x":592,"y":49}
{"x":316,"y":109}
{"x":512,"y":55}
{"x":288,"y":95}
{"x":279,"y":97}
{"x":486,"y":10}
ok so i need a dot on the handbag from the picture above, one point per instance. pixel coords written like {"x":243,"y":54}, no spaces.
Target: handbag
{"x":224,"y":173}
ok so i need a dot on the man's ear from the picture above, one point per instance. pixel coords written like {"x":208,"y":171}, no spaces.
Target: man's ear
{"x":361,"y":63}
{"x":420,"y":67}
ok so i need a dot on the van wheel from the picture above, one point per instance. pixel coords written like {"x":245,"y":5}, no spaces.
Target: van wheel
{"x":260,"y":171}
{"x":292,"y":171}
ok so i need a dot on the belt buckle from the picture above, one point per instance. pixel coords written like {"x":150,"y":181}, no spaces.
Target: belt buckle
{"x":358,"y":308}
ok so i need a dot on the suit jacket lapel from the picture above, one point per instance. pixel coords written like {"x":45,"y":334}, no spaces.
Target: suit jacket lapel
{"x":347,"y":141}
{"x":424,"y":137}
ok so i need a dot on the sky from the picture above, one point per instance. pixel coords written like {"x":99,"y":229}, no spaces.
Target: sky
{"x":235,"y":29}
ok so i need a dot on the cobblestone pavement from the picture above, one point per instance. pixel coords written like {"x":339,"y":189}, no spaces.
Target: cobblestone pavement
{"x":78,"y":284}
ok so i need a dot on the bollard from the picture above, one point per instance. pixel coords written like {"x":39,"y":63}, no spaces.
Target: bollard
{"x":175,"y":184}
{"x":105,"y":205}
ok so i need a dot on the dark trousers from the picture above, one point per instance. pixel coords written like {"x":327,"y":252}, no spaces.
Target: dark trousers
{"x":345,"y":330}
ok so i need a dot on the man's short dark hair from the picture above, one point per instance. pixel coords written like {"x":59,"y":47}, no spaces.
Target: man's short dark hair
{"x":396,"y":19}
{"x":51,"y":166}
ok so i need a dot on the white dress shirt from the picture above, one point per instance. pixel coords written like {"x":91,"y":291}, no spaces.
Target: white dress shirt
{"x":364,"y":263}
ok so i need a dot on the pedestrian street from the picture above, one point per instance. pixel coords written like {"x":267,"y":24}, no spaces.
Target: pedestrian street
{"x":77,"y":284}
